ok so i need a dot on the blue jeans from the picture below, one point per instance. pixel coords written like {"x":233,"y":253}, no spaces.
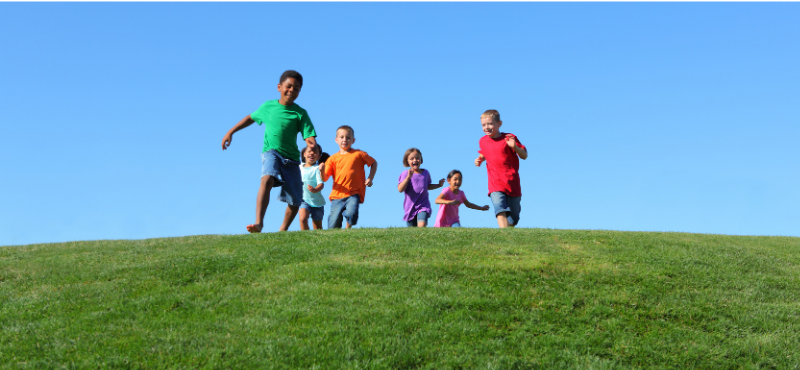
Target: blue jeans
{"x":286,"y":175}
{"x":346,"y":208}
{"x":503,"y":203}
{"x":455,"y":224}
{"x":420,"y":217}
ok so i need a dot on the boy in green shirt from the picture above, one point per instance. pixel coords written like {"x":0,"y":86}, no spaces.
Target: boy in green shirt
{"x":280,"y":159}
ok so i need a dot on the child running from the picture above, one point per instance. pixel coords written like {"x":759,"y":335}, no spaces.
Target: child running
{"x":349,"y":185}
{"x":501,"y":151}
{"x":449,"y":200}
{"x":415,"y":183}
{"x":283,"y":120}
{"x":313,"y":202}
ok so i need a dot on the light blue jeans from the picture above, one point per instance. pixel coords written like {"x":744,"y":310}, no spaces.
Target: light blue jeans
{"x":344,"y":208}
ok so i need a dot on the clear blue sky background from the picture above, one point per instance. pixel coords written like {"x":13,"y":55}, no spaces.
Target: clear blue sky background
{"x":637,"y":116}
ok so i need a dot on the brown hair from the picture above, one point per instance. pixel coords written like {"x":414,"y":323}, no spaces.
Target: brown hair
{"x":492,"y":113}
{"x":408,"y":153}
{"x":346,"y":127}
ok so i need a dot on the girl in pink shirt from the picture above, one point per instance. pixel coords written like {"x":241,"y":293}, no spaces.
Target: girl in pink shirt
{"x":449,"y":200}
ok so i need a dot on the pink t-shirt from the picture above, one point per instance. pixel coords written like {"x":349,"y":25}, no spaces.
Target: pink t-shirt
{"x":448,"y":213}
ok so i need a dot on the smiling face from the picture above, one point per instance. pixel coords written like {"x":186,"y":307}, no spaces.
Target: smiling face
{"x":345,"y":139}
{"x":289,"y":90}
{"x":455,"y":182}
{"x":490,"y":126}
{"x":414,"y":160}
{"x":311,"y":156}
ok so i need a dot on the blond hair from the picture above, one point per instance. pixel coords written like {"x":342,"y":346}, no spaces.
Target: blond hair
{"x":492,"y":113}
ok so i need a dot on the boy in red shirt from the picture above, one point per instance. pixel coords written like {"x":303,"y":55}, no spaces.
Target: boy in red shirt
{"x":501,"y":151}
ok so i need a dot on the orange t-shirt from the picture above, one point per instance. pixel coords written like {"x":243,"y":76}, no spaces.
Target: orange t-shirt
{"x":348,"y":173}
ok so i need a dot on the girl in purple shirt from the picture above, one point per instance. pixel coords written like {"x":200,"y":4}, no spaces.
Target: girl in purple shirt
{"x":415,"y":183}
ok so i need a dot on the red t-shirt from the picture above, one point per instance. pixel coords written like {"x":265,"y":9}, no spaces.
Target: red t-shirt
{"x":502,"y":164}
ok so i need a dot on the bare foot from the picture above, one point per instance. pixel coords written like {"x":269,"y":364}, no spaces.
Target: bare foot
{"x":254,"y":228}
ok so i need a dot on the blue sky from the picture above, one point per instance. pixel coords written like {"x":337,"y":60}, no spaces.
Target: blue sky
{"x":637,"y":116}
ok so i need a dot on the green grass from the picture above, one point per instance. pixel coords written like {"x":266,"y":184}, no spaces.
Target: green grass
{"x":405,"y":298}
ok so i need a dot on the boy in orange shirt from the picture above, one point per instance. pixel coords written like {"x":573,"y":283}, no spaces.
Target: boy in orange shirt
{"x":349,"y":185}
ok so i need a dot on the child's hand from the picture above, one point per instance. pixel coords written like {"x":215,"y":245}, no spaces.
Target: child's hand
{"x":313,"y":189}
{"x":485,"y":208}
{"x":511,"y":141}
{"x":368,"y":183}
{"x":441,"y":183}
{"x":226,"y":141}
{"x":455,"y":203}
{"x":479,"y":160}
{"x":322,"y":167}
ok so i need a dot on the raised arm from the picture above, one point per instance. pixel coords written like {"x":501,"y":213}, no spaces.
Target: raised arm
{"x":226,"y":141}
{"x":512,"y":143}
{"x":436,"y":186}
{"x":401,"y":187}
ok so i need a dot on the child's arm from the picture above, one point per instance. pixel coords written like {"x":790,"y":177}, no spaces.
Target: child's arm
{"x":317,"y":188}
{"x":474,"y":206}
{"x":479,"y":160}
{"x":436,"y":186}
{"x":401,"y":187}
{"x":440,"y":200}
{"x":226,"y":141}
{"x":372,"y":170}
{"x":512,"y":143}
{"x":311,"y":142}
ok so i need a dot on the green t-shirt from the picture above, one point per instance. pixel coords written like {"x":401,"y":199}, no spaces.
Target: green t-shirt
{"x":283,"y":123}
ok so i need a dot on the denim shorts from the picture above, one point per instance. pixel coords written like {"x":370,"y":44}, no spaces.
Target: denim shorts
{"x":503,"y":203}
{"x":316,"y":212}
{"x":420,"y":217}
{"x":455,"y":224}
{"x":286,"y":174}
{"x":344,"y":208}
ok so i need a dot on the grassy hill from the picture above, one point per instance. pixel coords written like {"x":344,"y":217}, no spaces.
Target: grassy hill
{"x":405,"y":298}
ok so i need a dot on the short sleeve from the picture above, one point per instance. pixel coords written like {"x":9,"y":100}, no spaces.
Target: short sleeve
{"x":306,"y":127}
{"x":427,"y":177}
{"x":260,"y":115}
{"x":367,"y":159}
{"x":519,"y":144}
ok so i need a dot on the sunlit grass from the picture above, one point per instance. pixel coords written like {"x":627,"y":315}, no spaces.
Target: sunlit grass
{"x":404,"y":298}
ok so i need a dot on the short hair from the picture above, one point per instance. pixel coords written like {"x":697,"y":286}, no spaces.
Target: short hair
{"x":408,"y":153}
{"x":453,"y":173}
{"x":346,"y":127}
{"x":492,"y":113}
{"x":292,"y":74}
{"x":322,"y":155}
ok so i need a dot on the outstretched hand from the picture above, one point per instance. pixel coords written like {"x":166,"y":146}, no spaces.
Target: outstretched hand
{"x":441,"y":183}
{"x":226,"y":141}
{"x":511,"y":141}
{"x":485,"y":208}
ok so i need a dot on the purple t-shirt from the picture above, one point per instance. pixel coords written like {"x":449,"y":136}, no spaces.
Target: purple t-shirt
{"x":448,"y":213}
{"x":416,"y":194}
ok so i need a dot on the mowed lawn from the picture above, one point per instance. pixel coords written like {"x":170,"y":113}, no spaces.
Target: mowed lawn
{"x":405,"y":298}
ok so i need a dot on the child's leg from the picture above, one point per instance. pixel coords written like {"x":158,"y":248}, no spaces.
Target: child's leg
{"x":288,"y":217}
{"x":291,"y":191}
{"x":335,"y":217}
{"x":317,"y":213}
{"x":422,"y":219}
{"x":513,"y":214}
{"x":501,"y":208}
{"x":262,"y":202}
{"x":350,"y":212}
{"x":304,"y":213}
